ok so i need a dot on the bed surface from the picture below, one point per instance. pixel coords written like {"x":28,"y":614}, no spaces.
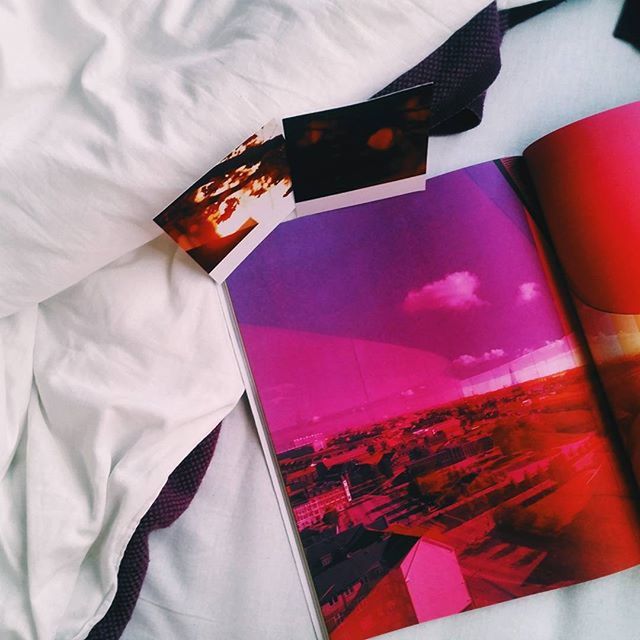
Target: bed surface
{"x":114,"y":360}
{"x":224,"y":569}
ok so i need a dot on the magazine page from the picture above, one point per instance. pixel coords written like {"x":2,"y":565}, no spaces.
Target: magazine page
{"x":587,"y":179}
{"x":435,"y":431}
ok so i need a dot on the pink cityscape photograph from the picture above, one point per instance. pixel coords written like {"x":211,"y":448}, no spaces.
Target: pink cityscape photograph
{"x":433,"y":418}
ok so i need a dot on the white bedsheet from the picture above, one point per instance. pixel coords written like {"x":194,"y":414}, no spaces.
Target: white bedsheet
{"x":113,"y":359}
{"x":224,"y":570}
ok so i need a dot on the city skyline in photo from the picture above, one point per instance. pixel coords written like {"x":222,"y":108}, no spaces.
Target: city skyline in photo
{"x":439,"y":439}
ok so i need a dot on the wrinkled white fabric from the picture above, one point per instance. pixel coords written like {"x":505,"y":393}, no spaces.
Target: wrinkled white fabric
{"x":114,"y":360}
{"x":110,"y":109}
{"x":107,"y":407}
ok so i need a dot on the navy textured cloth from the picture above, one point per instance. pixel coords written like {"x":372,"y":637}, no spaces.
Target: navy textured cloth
{"x":461,"y":69}
{"x":628,"y":27}
{"x":175,"y":497}
{"x":465,"y":66}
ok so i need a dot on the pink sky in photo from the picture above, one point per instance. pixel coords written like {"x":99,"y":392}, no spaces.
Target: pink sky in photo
{"x":439,"y":285}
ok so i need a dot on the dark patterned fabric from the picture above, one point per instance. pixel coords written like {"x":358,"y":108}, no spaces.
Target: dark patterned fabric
{"x":175,"y":497}
{"x":628,"y":27}
{"x":465,"y":66}
{"x":512,"y":17}
{"x":462,"y":69}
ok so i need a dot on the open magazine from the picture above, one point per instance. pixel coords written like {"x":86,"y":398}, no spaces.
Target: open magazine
{"x":447,"y":382}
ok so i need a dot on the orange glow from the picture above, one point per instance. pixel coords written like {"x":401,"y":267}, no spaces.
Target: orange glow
{"x":382,"y":139}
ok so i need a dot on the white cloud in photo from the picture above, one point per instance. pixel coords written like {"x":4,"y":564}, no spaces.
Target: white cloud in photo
{"x":528,"y":291}
{"x":456,"y":290}
{"x":467,"y":360}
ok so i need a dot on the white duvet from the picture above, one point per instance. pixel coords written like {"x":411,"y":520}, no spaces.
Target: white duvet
{"x":114,"y":361}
